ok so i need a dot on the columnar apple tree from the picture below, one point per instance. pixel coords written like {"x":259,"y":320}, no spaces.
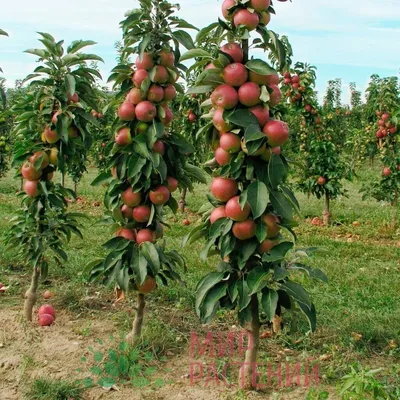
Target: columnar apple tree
{"x":250,"y":216}
{"x":4,"y":148}
{"x":51,"y":126}
{"x":387,"y":138}
{"x":323,"y":170}
{"x":148,"y":162}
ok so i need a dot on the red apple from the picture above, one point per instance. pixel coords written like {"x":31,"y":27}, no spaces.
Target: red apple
{"x":126,"y":233}
{"x":30,"y":173}
{"x":235,"y":212}
{"x":135,"y":96}
{"x":247,"y":19}
{"x":155,"y":93}
{"x":146,"y":235}
{"x":224,"y":96}
{"x":160,"y":74}
{"x":146,"y":62}
{"x":244,"y":230}
{"x":167,"y":58}
{"x":267,"y":245}
{"x":223,"y":189}
{"x":235,"y":74}
{"x":230,"y":142}
{"x":139,"y":76}
{"x":31,"y":188}
{"x":45,"y":320}
{"x":46,"y":309}
{"x":123,"y":137}
{"x":217,"y":213}
{"x":172,"y":184}
{"x":131,"y":198}
{"x":259,"y":5}
{"x":234,"y":50}
{"x":226,"y":5}
{"x":275,"y":96}
{"x":126,"y":111}
{"x":159,"y":147}
{"x":387,"y":171}
{"x":169,"y":92}
{"x":141,"y":213}
{"x":271,"y":221}
{"x":222,"y":157}
{"x":249,"y":94}
{"x":277,"y":132}
{"x":146,"y":111}
{"x":261,"y":113}
{"x":127,"y":211}
{"x":218,"y":120}
{"x":160,"y":195}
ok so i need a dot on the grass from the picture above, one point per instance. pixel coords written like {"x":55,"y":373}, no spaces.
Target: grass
{"x":45,"y":389}
{"x":358,"y":312}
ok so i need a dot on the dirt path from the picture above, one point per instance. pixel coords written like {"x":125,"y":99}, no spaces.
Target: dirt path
{"x":27,"y":353}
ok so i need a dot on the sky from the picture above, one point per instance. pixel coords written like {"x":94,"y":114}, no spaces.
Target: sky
{"x":344,"y":39}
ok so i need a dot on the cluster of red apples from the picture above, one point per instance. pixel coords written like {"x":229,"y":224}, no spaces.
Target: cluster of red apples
{"x":40,"y":165}
{"x":153,"y":87}
{"x":385,"y":125}
{"x":249,"y":15}
{"x":243,"y":89}
{"x":296,"y":94}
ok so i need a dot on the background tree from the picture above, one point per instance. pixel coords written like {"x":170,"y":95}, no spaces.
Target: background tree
{"x":51,"y":126}
{"x":384,"y":97}
{"x":250,"y":204}
{"x":322,"y":168}
{"x":149,"y":161}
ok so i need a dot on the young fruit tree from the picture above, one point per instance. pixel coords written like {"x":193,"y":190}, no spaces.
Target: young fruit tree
{"x":148,"y":162}
{"x":387,"y":105}
{"x":322,"y":170}
{"x":250,"y":215}
{"x":51,"y":126}
{"x":2,"y":92}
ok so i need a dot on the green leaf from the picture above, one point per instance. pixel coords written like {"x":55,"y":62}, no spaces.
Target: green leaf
{"x":269,"y":302}
{"x":123,"y":364}
{"x":297,"y":292}
{"x":312,"y":272}
{"x":257,"y":279}
{"x":257,"y":197}
{"x":253,"y":133}
{"x":242,"y":117}
{"x":70,"y":84}
{"x":150,"y":252}
{"x":4,"y":33}
{"x":310,"y":313}
{"x":278,"y":253}
{"x":103,"y":178}
{"x":200,"y":89}
{"x":244,"y":297}
{"x":77,"y":45}
{"x":139,"y":265}
{"x":211,"y":300}
{"x":203,"y":287}
{"x":195,"y":53}
{"x":281,"y":204}
{"x":184,"y":39}
{"x":276,"y":171}
{"x":260,"y":67}
{"x":37,"y":52}
{"x":261,"y":231}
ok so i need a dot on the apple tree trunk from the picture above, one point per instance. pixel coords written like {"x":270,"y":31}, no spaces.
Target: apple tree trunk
{"x":137,"y":325}
{"x":247,"y":373}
